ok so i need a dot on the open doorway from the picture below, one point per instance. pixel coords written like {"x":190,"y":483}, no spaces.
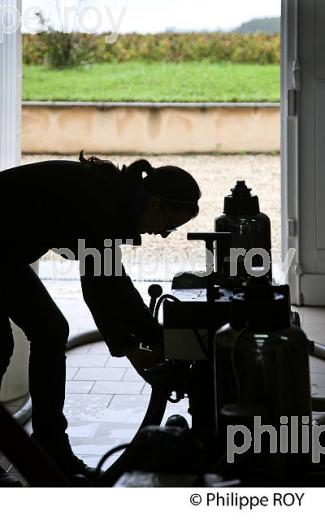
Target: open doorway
{"x":216,"y":171}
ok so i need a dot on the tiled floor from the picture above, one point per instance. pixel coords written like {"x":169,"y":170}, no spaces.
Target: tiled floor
{"x":106,"y":399}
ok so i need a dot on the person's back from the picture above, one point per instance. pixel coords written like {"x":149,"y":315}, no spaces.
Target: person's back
{"x":52,"y":204}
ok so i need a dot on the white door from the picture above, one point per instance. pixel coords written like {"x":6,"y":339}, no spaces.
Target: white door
{"x":303,"y":146}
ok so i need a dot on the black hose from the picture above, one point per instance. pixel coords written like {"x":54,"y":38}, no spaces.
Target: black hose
{"x":92,"y":336}
{"x":24,"y":413}
{"x":318,"y":351}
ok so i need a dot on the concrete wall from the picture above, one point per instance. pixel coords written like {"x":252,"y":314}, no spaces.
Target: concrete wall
{"x":150,"y":127}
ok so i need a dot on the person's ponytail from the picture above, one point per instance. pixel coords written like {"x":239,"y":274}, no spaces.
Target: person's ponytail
{"x":138,"y":168}
{"x":133,"y":173}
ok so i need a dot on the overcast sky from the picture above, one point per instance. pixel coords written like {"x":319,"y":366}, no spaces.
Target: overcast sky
{"x":154,"y":15}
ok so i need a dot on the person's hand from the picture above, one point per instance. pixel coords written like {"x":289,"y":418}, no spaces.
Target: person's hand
{"x":144,"y":359}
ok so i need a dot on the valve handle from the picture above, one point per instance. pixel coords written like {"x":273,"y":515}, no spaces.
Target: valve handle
{"x":154,"y":291}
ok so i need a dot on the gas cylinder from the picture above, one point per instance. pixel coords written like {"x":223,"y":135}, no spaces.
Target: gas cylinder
{"x":250,"y":229}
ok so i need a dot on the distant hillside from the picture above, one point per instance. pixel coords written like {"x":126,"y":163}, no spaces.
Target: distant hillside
{"x":264,"y":25}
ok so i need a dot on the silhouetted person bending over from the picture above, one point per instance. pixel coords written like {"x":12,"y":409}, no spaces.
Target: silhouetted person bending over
{"x":63,"y":205}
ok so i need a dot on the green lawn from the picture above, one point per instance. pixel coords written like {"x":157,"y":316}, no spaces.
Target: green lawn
{"x":137,"y":81}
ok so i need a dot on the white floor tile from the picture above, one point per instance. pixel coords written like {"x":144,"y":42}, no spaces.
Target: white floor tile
{"x":119,"y":362}
{"x":317,"y":391}
{"x":79,"y":387}
{"x":316,"y":365}
{"x":71,"y":372}
{"x":87,"y":431}
{"x":315,"y":331}
{"x":88,"y":361}
{"x":124,"y":387}
{"x":85,"y":407}
{"x":318,"y":379}
{"x":100,"y":374}
{"x":98,"y":348}
{"x":92,"y":449}
{"x":132,"y":375}
{"x":146,"y":389}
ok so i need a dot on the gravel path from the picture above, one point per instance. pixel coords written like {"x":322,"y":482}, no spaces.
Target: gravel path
{"x":216,"y":175}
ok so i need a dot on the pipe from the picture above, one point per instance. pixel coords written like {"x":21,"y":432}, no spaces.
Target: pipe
{"x":318,"y":351}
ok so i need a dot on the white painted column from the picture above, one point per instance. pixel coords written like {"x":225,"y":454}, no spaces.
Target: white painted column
{"x":15,"y":382}
{"x":10,"y":83}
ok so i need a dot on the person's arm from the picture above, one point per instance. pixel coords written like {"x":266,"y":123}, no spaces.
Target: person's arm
{"x":118,"y":310}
